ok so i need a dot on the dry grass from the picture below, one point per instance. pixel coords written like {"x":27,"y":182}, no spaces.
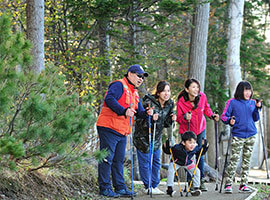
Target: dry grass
{"x":52,"y":184}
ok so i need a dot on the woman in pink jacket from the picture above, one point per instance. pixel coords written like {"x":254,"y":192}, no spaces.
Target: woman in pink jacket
{"x":191,"y":107}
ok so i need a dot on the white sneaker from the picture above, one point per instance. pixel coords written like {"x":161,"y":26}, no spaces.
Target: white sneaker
{"x":146,"y":191}
{"x":157,"y":191}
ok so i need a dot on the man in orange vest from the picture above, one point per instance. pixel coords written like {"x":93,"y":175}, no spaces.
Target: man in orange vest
{"x":121,"y":103}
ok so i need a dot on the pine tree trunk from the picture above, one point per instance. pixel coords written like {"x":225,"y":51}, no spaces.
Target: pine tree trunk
{"x":198,"y":50}
{"x":35,"y":32}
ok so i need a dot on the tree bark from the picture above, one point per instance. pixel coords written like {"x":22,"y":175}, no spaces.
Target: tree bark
{"x":162,"y":74}
{"x":198,"y":50}
{"x":35,"y":32}
{"x":236,"y":8}
{"x":105,"y":65}
{"x":211,"y":153}
{"x":132,"y":39}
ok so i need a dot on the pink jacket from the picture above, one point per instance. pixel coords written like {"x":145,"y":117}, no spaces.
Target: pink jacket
{"x":198,"y":121}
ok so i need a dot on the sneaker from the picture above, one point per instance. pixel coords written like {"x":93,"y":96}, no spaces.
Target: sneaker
{"x":203,"y":188}
{"x":228,"y":189}
{"x":196,"y":192}
{"x":146,"y":191}
{"x":170,"y":191}
{"x":109,"y":193}
{"x":244,"y":188}
{"x":157,"y":191}
{"x":125,"y":193}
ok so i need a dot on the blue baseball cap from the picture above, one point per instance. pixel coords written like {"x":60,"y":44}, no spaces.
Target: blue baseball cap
{"x":137,"y":69}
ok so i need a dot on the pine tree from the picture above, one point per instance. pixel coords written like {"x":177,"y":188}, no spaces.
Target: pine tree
{"x":42,"y":123}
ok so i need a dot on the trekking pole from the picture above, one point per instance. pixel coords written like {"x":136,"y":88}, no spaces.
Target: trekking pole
{"x":131,"y":155}
{"x":226,"y":159}
{"x":194,"y":171}
{"x":152,"y":153}
{"x":185,"y":190}
{"x":217,"y":153}
{"x":264,"y":150}
{"x":175,"y":170}
{"x":176,"y":173}
{"x":150,"y":167}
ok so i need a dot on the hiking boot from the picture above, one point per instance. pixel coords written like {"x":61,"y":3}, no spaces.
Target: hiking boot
{"x":244,"y":188}
{"x":157,"y":191}
{"x":125,"y":193}
{"x":203,"y":188}
{"x":170,"y":191}
{"x":196,"y":192}
{"x":228,"y":189}
{"x":109,"y":193}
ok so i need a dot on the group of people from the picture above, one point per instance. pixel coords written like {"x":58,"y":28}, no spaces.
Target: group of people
{"x":122,"y":103}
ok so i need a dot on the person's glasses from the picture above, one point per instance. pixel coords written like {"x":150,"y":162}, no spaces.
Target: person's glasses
{"x":140,"y":75}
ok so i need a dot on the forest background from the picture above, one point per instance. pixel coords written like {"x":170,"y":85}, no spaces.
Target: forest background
{"x":52,"y":86}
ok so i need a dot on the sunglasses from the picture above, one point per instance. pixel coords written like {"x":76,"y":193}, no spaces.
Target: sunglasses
{"x":140,"y":76}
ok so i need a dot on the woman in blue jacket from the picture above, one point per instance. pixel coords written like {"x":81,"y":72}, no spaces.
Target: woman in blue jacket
{"x":241,"y":112}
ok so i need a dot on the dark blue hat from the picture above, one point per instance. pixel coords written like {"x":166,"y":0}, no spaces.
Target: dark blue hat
{"x":137,"y":69}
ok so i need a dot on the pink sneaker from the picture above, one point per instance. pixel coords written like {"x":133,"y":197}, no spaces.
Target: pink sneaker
{"x":244,"y":188}
{"x":228,"y":189}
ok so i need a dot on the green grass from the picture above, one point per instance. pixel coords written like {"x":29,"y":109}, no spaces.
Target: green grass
{"x":263,"y":192}
{"x":163,"y":180}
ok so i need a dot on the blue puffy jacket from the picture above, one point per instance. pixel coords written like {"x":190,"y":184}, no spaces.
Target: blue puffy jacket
{"x":246,"y":114}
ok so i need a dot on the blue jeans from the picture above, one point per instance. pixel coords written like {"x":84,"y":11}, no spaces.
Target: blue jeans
{"x":201,"y":163}
{"x":113,"y":164}
{"x":143,"y":160}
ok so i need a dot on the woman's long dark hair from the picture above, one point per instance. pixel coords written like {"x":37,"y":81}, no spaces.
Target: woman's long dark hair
{"x":184,"y":93}
{"x":239,"y":92}
{"x":160,"y":87}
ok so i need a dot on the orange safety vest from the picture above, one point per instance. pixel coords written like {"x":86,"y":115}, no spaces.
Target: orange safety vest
{"x":108,"y":118}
